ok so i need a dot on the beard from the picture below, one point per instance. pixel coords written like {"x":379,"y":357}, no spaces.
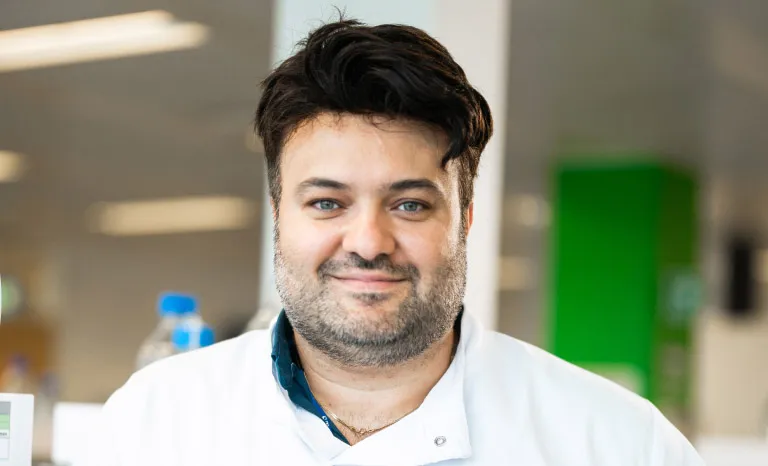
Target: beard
{"x":351,"y":328}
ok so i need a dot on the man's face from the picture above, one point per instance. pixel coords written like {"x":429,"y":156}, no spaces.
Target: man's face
{"x":370,"y":254}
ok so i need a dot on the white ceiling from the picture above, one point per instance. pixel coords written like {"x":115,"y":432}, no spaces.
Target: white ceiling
{"x":153,"y":126}
{"x":684,"y":78}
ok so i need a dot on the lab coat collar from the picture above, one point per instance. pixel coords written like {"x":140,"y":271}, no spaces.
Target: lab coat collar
{"x":437,"y":431}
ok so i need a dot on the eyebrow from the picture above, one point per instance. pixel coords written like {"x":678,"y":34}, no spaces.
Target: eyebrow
{"x":418,"y":183}
{"x":397,"y":186}
{"x":326,"y":183}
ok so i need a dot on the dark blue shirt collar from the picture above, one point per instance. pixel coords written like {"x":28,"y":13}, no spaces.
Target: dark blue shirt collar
{"x":286,"y":368}
{"x":283,"y":349}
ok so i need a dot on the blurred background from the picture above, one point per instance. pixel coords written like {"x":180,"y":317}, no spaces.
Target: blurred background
{"x":632,"y":163}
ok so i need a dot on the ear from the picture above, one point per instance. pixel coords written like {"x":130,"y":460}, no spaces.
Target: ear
{"x":470,"y":213}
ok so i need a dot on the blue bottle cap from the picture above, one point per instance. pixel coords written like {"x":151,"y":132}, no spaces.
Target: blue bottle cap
{"x":176,"y":303}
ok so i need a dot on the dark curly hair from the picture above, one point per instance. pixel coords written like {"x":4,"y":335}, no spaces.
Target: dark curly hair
{"x":391,"y":70}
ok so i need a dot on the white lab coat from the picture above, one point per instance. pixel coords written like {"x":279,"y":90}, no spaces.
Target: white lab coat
{"x":501,"y":402}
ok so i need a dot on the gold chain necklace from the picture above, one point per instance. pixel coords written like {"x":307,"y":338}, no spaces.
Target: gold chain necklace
{"x":359,"y":431}
{"x":364,"y":432}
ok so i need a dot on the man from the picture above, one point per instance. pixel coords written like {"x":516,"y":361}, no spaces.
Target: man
{"x":373,"y":138}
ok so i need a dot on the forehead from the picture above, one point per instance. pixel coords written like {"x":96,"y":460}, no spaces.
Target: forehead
{"x":360,"y":149}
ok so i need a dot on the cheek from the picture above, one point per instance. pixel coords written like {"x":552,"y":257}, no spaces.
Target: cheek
{"x":305,"y":243}
{"x":426,"y":250}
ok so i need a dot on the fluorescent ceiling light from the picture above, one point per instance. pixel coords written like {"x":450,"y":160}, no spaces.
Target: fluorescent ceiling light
{"x":176,"y":215}
{"x":11,"y":166}
{"x":97,"y":39}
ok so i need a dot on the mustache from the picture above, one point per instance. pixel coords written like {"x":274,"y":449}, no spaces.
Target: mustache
{"x":382,"y":263}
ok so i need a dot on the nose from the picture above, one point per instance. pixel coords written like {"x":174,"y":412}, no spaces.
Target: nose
{"x":369,"y":235}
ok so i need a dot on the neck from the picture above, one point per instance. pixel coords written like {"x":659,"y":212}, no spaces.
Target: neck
{"x":370,"y":397}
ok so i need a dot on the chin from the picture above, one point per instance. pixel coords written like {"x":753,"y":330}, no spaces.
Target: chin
{"x":384,"y":302}
{"x":374,"y":309}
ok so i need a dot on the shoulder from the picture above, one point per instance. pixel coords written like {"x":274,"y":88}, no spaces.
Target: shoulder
{"x":560,"y":402}
{"x":556,"y":377}
{"x":164,"y":404}
{"x":542,"y":376}
{"x":218,"y":369}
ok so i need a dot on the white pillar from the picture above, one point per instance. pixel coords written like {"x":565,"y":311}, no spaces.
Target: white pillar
{"x":476,"y":33}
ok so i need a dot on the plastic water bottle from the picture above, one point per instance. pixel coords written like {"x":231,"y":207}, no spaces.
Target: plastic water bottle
{"x":191,"y":334}
{"x":172,"y":308}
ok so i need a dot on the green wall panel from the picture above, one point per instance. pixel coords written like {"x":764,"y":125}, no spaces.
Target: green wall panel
{"x":623,"y":286}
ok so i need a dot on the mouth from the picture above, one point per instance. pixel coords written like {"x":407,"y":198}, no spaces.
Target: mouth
{"x":368,"y":282}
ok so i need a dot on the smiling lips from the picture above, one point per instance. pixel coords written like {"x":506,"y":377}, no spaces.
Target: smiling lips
{"x":369,"y":281}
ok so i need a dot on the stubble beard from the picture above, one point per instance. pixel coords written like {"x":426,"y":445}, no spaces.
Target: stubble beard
{"x":350,"y":329}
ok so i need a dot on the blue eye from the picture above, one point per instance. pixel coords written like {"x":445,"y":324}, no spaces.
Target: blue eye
{"x":325,"y":205}
{"x":411,"y":206}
